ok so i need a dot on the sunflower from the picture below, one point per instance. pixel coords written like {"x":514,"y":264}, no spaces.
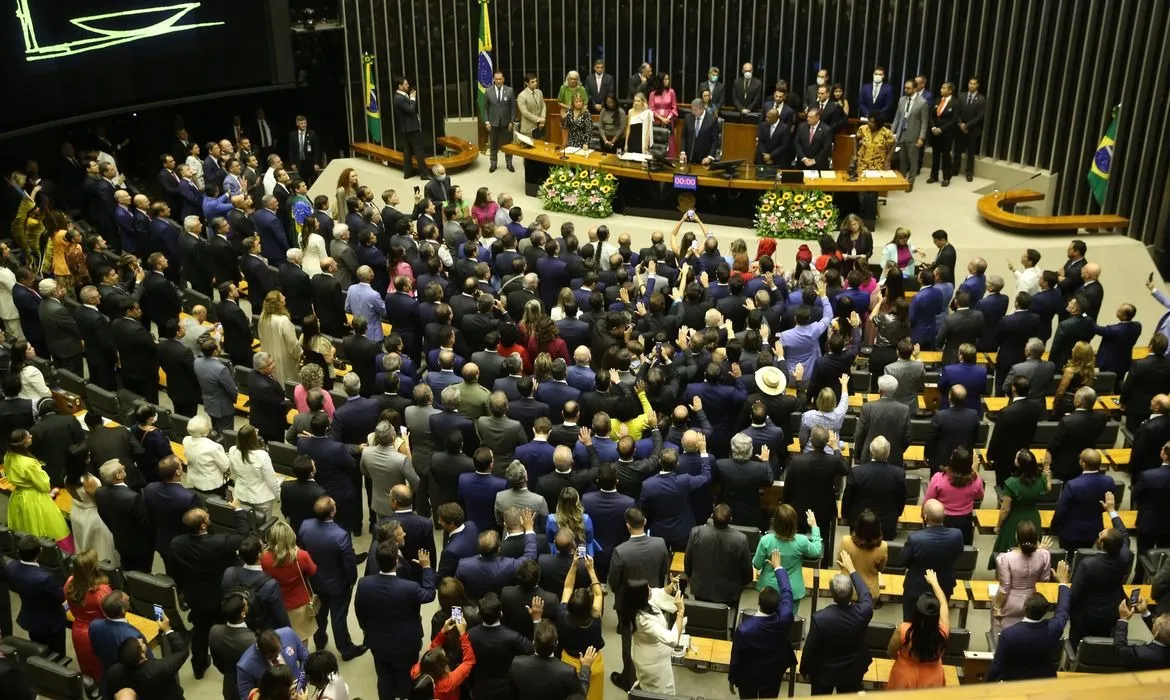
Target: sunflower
{"x":821,"y":204}
{"x":606,"y":189}
{"x":594,"y":182}
{"x":562,"y":178}
{"x":786,"y":196}
{"x":799,"y":198}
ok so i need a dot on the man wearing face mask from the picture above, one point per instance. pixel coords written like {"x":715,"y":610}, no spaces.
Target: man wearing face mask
{"x":910,"y":124}
{"x":810,"y":92}
{"x":716,"y":87}
{"x":877,"y":97}
{"x":748,"y":92}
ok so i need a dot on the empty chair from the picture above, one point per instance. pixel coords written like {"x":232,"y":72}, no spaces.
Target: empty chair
{"x":913,"y":489}
{"x":877,"y":638}
{"x":966,"y":563}
{"x":1108,"y":436}
{"x":179,"y":426}
{"x":7,"y":541}
{"x":228,"y":439}
{"x":1056,"y":555}
{"x":958,"y":641}
{"x":114,"y":574}
{"x":893,"y":561}
{"x":919,"y":430}
{"x":1153,"y":561}
{"x":338,"y":397}
{"x":149,"y":590}
{"x":290,"y":389}
{"x":191,"y":298}
{"x":1094,"y":655}
{"x":283,"y":457}
{"x":1048,"y":501}
{"x":241,"y":375}
{"x":105,"y":403}
{"x":981,"y":436}
{"x":796,"y":639}
{"x":54,"y":680}
{"x":859,"y":381}
{"x":1105,"y":383}
{"x":224,"y":518}
{"x":707,"y":619}
{"x":848,"y":427}
{"x":70,"y":382}
{"x":753,"y":536}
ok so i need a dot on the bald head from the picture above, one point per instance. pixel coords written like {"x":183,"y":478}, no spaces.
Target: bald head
{"x":1158,"y":404}
{"x":122,"y":197}
{"x":563,"y":458}
{"x":933,"y":512}
{"x":531,"y":281}
{"x":141,"y":201}
{"x":1091,"y":272}
{"x":690,"y":441}
{"x":471,"y":373}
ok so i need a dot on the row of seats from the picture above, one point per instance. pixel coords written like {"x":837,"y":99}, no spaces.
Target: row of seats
{"x":861,"y":381}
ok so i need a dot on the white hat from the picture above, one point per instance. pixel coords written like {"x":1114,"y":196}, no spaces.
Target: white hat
{"x":771,"y":381}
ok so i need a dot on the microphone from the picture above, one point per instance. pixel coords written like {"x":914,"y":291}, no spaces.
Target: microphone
{"x":1021,"y":182}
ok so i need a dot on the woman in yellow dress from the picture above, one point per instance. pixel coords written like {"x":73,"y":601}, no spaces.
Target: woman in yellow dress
{"x":31,"y":508}
{"x":27,"y":226}
{"x":875,"y":146}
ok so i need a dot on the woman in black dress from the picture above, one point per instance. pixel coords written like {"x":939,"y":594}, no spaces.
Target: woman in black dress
{"x":579,"y":124}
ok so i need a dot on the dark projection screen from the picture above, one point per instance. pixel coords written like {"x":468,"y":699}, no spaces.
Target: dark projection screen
{"x":65,"y":58}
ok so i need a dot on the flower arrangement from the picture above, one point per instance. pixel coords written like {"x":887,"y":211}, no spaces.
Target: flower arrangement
{"x":799,"y":214}
{"x":580,"y":191}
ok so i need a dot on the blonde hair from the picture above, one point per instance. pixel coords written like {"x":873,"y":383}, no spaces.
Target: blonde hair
{"x":1083,"y":362}
{"x":282,"y":542}
{"x":570,"y":514}
{"x":542,"y":367}
{"x":826,"y":400}
{"x":274,"y":305}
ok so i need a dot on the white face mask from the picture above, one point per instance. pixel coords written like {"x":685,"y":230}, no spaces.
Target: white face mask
{"x":877,"y":77}
{"x":747,"y":75}
{"x":820,"y":81}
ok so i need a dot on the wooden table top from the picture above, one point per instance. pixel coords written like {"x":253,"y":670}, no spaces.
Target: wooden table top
{"x":981,"y":595}
{"x":63,"y":500}
{"x":892,"y":585}
{"x":986,"y":518}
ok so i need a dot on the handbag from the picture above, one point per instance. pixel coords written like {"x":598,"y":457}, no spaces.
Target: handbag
{"x":314,"y":603}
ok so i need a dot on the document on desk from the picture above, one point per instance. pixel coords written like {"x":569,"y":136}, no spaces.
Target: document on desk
{"x":812,"y":174}
{"x":636,"y":157}
{"x":828,"y":174}
{"x":573,"y":150}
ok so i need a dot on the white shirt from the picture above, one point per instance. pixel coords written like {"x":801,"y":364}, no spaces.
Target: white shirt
{"x":1028,"y":280}
{"x":207,"y":463}
{"x":7,"y":283}
{"x":269,"y":180}
{"x":256,"y":481}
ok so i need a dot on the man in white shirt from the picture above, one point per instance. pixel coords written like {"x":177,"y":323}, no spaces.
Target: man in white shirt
{"x":274,"y":164}
{"x":1027,"y":279}
{"x":8,"y":313}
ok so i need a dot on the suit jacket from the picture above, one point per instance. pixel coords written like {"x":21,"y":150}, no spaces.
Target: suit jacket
{"x":1075,"y":432}
{"x":197,"y":563}
{"x":971,"y":110}
{"x":1150,"y":492}
{"x":28,"y":304}
{"x":1097,"y":587}
{"x":56,"y":439}
{"x":328,"y":302}
{"x":1078,"y":513}
{"x":831,"y":114}
{"x":777,"y":143}
{"x":266,"y":609}
{"x":192,"y":200}
{"x":1015,"y":427}
{"x":993,"y":307}
{"x":227,"y":645}
{"x":543,"y":678}
{"x":667,"y":504}
{"x":61,"y":331}
{"x":354,"y":420}
{"x":1147,"y":378}
{"x":883,"y":105}
{"x":1115,"y":353}
{"x":879,"y":486}
{"x":347,"y":262}
{"x":160,"y":300}
{"x":115,"y":442}
{"x":1010,"y":336}
{"x":747,"y":94}
{"x":1148,"y":440}
{"x":811,"y":482}
{"x":1068,"y":333}
{"x":251,"y":666}
{"x":224,"y":263}
{"x":482,"y":575}
{"x":607,"y":510}
{"x":1040,"y":375}
{"x":123,"y":511}
{"x":406,"y":114}
{"x":273,"y":240}
{"x":388,"y":608}
{"x":962,"y":326}
{"x":107,"y":635}
{"x":298,"y":290}
{"x":166,"y":503}
{"x":219,"y":390}
{"x":819,"y":147}
{"x":495,"y":648}
{"x":741,"y":482}
{"x":237,"y":332}
{"x":41,"y":597}
{"x":478,"y":492}
{"x":361,"y":351}
{"x":460,"y":545}
{"x":514,"y":601}
{"x":885,"y":417}
{"x":314,"y":154}
{"x":178,"y":362}
{"x":1046,"y":304}
{"x":703,"y":142}
{"x":912,"y":125}
{"x":195,"y":258}
{"x":925,"y":308}
{"x":931,"y":548}
{"x":296,"y":501}
{"x":269,"y":407}
{"x":835,"y":650}
{"x":1139,"y":657}
{"x":947,"y":120}
{"x":260,"y":277}
{"x":157,"y":678}
{"x":1094,"y":293}
{"x":597,"y":95}
{"x":760,"y":650}
{"x":718,"y":563}
{"x":502,"y":435}
{"x":638,"y":558}
{"x":1027,"y":650}
{"x":500,"y":109}
{"x":332,"y":550}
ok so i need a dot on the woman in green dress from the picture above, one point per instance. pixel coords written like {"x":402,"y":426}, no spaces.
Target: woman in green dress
{"x":31,"y":508}
{"x":793,"y":548}
{"x":1021,"y":494}
{"x":570,"y":89}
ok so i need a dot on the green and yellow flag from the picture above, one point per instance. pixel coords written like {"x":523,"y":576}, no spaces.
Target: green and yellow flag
{"x":373,"y":107}
{"x":1103,"y":162}
{"x":484,"y":69}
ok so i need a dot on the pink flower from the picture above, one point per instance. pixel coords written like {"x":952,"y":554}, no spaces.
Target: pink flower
{"x":773,"y":220}
{"x":798,"y":224}
{"x":821,"y":224}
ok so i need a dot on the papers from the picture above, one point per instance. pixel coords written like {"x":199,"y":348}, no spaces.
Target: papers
{"x":811,"y":174}
{"x":828,"y":175}
{"x":636,"y":157}
{"x":879,"y":173}
{"x":578,"y":151}
{"x":521,"y":138}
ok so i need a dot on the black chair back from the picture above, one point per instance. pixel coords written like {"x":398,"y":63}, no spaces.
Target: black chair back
{"x":877,"y":638}
{"x":1045,"y":430}
{"x":893,"y":560}
{"x":149,"y":590}
{"x":708,"y":619}
{"x":70,"y":382}
{"x":919,"y":430}
{"x":283,"y":457}
{"x":1048,"y":501}
{"x":913,"y":489}
{"x":290,"y":390}
{"x":105,"y":403}
{"x":242,"y":374}
{"x":223,"y":517}
{"x":54,"y":680}
{"x":179,"y":426}
{"x":753,"y":536}
{"x":957,"y":644}
{"x":1097,"y":655}
{"x":966,"y":563}
{"x":1080,"y":555}
{"x":46,"y":367}
{"x":228,"y":439}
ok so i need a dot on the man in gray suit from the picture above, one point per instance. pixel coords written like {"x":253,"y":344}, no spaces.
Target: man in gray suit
{"x":887,"y":417}
{"x":718,"y":563}
{"x":965,"y":325}
{"x":1040,"y":372}
{"x":344,"y":257}
{"x":518,"y":495}
{"x":218,"y":386}
{"x":640,"y":558}
{"x":499,"y":114}
{"x":499,"y":432}
{"x":910,"y":373}
{"x":61,"y":332}
{"x":386,"y":468}
{"x":910,"y":122}
{"x":422,"y":444}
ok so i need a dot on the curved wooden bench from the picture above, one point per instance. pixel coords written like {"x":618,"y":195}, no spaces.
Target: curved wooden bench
{"x":992,"y":211}
{"x":464,"y":153}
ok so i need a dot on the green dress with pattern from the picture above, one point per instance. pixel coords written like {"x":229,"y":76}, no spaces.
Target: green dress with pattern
{"x":1024,"y":507}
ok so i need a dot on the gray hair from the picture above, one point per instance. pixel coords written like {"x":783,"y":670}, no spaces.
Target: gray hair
{"x":841,"y":588}
{"x":697,"y":103}
{"x":391,"y":362}
{"x":190,"y":223}
{"x":352,"y":384}
{"x":879,"y":449}
{"x":294,"y":255}
{"x":260,"y":360}
{"x":199,"y":426}
{"x":515,"y":474}
{"x":339,"y":229}
{"x":365,"y":273}
{"x":513,"y":518}
{"x":109,"y":471}
{"x":1085,"y":397}
{"x":451,"y":397}
{"x":47,"y":287}
{"x":531,"y":280}
{"x":741,"y":447}
{"x":994,"y":283}
{"x":438,"y":170}
{"x":1034,"y":348}
{"x":887,"y":384}
{"x":216,"y":222}
{"x":383,"y":433}
{"x":808,"y":278}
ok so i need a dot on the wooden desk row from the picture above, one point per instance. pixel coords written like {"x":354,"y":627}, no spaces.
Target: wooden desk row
{"x":986,"y":519}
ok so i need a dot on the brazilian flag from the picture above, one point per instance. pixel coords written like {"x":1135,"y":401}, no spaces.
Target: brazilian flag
{"x":483,"y":68}
{"x":373,"y":108}
{"x":1103,"y":162}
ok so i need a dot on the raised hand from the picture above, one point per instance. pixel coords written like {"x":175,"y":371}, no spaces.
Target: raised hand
{"x":424,"y":558}
{"x":696,"y":404}
{"x":585,"y":435}
{"x":811,"y":517}
{"x":1110,"y":503}
{"x":536,"y":609}
{"x":1061,"y":573}
{"x":846,"y":561}
{"x":765,"y":454}
{"x":798,"y":373}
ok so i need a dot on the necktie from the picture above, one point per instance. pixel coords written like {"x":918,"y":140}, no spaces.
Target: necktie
{"x":812,"y":131}
{"x":302,"y":140}
{"x":876,"y":89}
{"x":942,"y":104}
{"x":970,"y":97}
{"x":822,"y":106}
{"x":499,"y":94}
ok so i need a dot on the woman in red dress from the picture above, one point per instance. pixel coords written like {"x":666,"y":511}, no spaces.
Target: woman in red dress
{"x":84,"y":591}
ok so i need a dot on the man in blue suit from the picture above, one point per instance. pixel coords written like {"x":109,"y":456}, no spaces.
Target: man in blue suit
{"x":273,"y":241}
{"x":607,"y":509}
{"x":967,"y":374}
{"x":554,"y":275}
{"x":1011,"y":335}
{"x":760,"y":650}
{"x":388,"y":610}
{"x":418,"y":530}
{"x":1047,"y":303}
{"x":191,"y":203}
{"x":555,"y":392}
{"x":477,"y":491}
{"x":1098,"y":586}
{"x":835,"y":655}
{"x":1151,"y":491}
{"x":106,"y":634}
{"x":579,"y":375}
{"x":489,"y":572}
{"x":537,"y":454}
{"x":450,"y":420}
{"x":1115,"y":354}
{"x":666,"y":497}
{"x":1142,"y":657}
{"x":163,"y":234}
{"x":332,"y":550}
{"x":925,"y":308}
{"x":994,"y":306}
{"x":952,"y":427}
{"x":576,"y":334}
{"x":167,"y":500}
{"x":336,"y":470}
{"x":877,"y":97}
{"x":261,"y":277}
{"x":1077,"y":520}
{"x":1026,"y":651}
{"x":936,"y":547}
{"x":721,"y":401}
{"x":441,"y":377}
{"x":976,"y":283}
{"x":42,"y":614}
{"x":279,"y":647}
{"x":462,"y":538}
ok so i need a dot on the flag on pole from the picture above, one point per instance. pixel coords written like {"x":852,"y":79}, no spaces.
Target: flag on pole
{"x":1103,"y":161}
{"x":373,"y":107}
{"x":484,"y":68}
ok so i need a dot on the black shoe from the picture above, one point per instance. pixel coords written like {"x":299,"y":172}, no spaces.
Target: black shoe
{"x":353,"y":653}
{"x":492,"y":169}
{"x":970,"y":177}
{"x":361,"y":558}
{"x":946,"y":182}
{"x":931,"y":180}
{"x":320,"y":646}
{"x":911,"y":187}
{"x":616,"y":679}
{"x":200,"y":673}
{"x":510,"y":168}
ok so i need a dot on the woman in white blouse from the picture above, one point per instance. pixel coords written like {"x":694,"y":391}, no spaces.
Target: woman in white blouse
{"x":653,"y":641}
{"x":639,"y":126}
{"x":257,"y":483}
{"x":32,"y":381}
{"x":313,"y":246}
{"x":196,"y":164}
{"x":207,"y":463}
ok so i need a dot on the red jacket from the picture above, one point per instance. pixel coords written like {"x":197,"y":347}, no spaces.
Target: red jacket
{"x":292,"y":586}
{"x":448,"y":688}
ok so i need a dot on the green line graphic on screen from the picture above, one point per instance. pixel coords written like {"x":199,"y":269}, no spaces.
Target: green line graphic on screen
{"x":106,"y":30}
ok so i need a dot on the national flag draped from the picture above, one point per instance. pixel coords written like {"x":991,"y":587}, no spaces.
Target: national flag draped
{"x":373,"y":108}
{"x":484,"y":68}
{"x":1103,"y":161}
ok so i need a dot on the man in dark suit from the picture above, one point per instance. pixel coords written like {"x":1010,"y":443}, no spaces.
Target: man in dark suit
{"x":951,"y":428}
{"x":305,"y":151}
{"x":28,"y":302}
{"x":495,"y":647}
{"x":935,"y":547}
{"x":1076,"y":432}
{"x":717,"y":561}
{"x":1092,"y":290}
{"x":1150,"y":491}
{"x":166,"y":502}
{"x":747,"y":92}
{"x":1076,"y":327}
{"x":1077,"y":519}
{"x":229,"y":640}
{"x":137,"y":352}
{"x":701,"y":135}
{"x":1011,"y":335}
{"x":237,"y":330}
{"x":154,"y":678}
{"x":1147,"y":377}
{"x":1026,"y":651}
{"x":260,"y":276}
{"x":409,"y":129}
{"x":606,"y":508}
{"x":1115,"y":353}
{"x":1149,"y":439}
{"x":773,"y":141}
{"x":564,"y":475}
{"x":814,"y":143}
{"x":388,"y":611}
{"x":886,"y":418}
{"x":269,"y":231}
{"x":965,"y":325}
{"x":971,"y":107}
{"x":265,"y":606}
{"x":760,"y":650}
{"x":832,"y":115}
{"x":361,"y":353}
{"x":337,"y":471}
{"x":279,"y":647}
{"x":742,"y":478}
{"x":516,"y":601}
{"x":267,"y":399}
{"x":877,"y":485}
{"x":223,"y":253}
{"x":1097,"y":584}
{"x":329,"y":301}
{"x":198,"y":560}
{"x":298,"y":496}
{"x":160,"y":300}
{"x":489,"y":571}
{"x":543,"y":674}
{"x":640,"y":558}
{"x":1070,"y":272}
{"x":1038,"y":371}
{"x":57,"y":440}
{"x":123,"y":511}
{"x":178,"y":362}
{"x":294,"y":282}
{"x":877,"y":97}
{"x":462,"y":538}
{"x":666,"y":495}
{"x":812,"y":481}
{"x":42,"y":614}
{"x":330,"y":546}
{"x":1015,"y":427}
{"x":111,"y":628}
{"x":195,"y":260}
{"x":835,"y":656}
{"x":598,"y":85}
{"x":62,"y":335}
{"x":1151,"y":656}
